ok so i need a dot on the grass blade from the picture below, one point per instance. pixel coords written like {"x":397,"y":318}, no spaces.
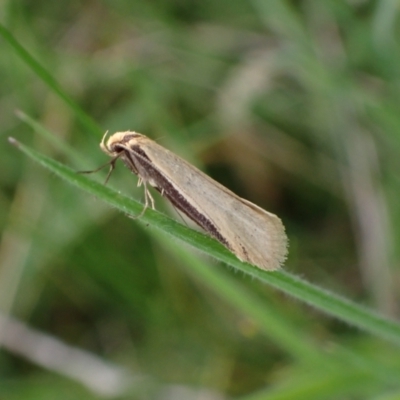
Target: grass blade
{"x":48,"y":79}
{"x":323,"y":300}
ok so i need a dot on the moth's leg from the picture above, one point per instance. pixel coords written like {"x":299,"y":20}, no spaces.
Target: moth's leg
{"x":147,"y":197}
{"x":112,"y":166}
{"x":110,"y":163}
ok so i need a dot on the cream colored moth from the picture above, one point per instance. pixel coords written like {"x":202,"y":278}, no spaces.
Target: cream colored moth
{"x":251,"y":233}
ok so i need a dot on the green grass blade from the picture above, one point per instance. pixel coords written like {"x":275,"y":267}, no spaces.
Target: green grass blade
{"x":48,"y":79}
{"x":320,"y":299}
{"x":55,"y":141}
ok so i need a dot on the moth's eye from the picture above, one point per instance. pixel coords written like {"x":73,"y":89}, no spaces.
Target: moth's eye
{"x":116,"y":148}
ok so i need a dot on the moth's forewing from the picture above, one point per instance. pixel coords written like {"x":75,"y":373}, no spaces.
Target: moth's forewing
{"x":251,"y":233}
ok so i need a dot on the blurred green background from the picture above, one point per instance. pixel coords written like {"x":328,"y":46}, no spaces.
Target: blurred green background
{"x":294,"y":105}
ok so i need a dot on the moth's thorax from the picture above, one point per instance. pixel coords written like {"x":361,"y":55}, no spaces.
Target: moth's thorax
{"x":117,"y":141}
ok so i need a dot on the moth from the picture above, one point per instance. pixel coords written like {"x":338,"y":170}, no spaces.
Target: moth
{"x":251,"y":233}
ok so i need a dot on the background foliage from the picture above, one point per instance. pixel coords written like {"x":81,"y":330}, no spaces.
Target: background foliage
{"x":293,"y":105}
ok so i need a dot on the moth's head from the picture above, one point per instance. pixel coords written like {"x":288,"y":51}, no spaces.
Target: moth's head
{"x":117,"y":142}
